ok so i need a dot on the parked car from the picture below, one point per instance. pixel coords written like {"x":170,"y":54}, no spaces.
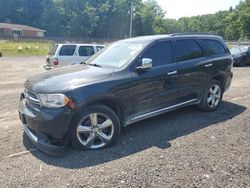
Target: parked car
{"x":241,"y":55}
{"x":68,"y":54}
{"x":131,"y":80}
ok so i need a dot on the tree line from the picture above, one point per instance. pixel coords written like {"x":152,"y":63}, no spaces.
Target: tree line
{"x":110,"y":19}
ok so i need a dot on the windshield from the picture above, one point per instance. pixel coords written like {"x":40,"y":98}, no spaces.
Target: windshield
{"x":52,"y":50}
{"x":117,"y":54}
{"x":235,"y":51}
{"x":244,"y":48}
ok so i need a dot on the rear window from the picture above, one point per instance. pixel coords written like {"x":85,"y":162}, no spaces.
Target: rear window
{"x":187,"y":49}
{"x":86,"y":51}
{"x":67,"y":50}
{"x":214,"y":47}
{"x":53,"y":49}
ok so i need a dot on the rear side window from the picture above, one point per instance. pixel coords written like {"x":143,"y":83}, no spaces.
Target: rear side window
{"x":67,"y":50}
{"x":160,"y":53}
{"x":187,"y":49}
{"x":214,"y":47}
{"x":86,"y":51}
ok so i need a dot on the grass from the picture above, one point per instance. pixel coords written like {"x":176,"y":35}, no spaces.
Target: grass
{"x":24,"y":47}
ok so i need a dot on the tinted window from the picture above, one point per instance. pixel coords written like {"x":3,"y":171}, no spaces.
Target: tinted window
{"x":214,"y":47}
{"x":160,"y":53}
{"x":187,"y":49}
{"x":86,"y":51}
{"x":67,"y":50}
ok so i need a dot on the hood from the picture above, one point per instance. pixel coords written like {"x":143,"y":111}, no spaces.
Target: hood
{"x":66,"y":78}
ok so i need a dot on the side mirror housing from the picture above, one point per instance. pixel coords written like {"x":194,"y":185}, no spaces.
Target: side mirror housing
{"x":146,"y":64}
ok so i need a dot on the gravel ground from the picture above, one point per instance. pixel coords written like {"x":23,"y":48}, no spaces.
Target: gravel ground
{"x":184,"y":148}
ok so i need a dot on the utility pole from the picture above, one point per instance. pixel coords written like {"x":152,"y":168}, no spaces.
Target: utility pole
{"x":131,"y":20}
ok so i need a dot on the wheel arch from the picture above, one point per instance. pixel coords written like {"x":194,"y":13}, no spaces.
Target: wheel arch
{"x":221,"y":79}
{"x":111,"y":102}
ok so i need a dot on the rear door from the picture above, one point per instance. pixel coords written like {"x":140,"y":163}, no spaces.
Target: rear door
{"x":67,"y":55}
{"x":191,"y":62}
{"x":156,"y":88}
{"x":218,"y":58}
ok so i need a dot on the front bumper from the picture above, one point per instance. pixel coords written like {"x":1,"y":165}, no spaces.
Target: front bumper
{"x":42,"y":142}
{"x":48,"y":128}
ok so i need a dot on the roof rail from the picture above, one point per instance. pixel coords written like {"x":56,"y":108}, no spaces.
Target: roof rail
{"x":192,"y":33}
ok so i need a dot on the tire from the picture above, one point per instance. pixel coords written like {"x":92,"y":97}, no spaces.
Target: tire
{"x":210,"y":101}
{"x":95,"y":127}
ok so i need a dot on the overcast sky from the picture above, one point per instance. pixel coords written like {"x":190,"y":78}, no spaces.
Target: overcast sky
{"x":180,"y":8}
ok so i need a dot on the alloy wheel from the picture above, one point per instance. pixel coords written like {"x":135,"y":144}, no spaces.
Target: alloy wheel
{"x":95,"y":130}
{"x":214,"y":96}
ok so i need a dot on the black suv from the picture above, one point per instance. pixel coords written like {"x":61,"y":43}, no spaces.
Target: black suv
{"x":128,"y":81}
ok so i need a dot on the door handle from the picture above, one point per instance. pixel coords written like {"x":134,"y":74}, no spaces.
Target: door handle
{"x":209,"y":65}
{"x":172,"y":73}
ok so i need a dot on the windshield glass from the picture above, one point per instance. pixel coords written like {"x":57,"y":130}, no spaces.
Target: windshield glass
{"x":244,"y":48}
{"x":117,"y":54}
{"x":235,"y":51}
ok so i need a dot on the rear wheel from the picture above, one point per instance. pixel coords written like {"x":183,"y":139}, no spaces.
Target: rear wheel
{"x":212,"y":97}
{"x":95,"y":128}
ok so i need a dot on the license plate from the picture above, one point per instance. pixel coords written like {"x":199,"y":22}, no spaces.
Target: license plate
{"x":22,"y":117}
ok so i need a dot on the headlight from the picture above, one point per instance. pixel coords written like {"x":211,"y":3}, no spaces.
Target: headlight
{"x":53,"y":100}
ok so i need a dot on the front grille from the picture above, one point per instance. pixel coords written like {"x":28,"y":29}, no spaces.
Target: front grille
{"x":32,"y":100}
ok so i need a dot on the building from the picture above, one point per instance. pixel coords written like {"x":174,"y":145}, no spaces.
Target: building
{"x":20,"y":31}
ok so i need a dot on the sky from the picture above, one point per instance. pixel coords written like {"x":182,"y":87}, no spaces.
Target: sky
{"x":186,"y":8}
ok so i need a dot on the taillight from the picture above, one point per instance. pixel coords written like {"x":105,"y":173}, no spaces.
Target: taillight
{"x":55,"y":61}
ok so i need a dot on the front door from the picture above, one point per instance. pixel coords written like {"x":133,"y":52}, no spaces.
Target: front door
{"x":157,"y":87}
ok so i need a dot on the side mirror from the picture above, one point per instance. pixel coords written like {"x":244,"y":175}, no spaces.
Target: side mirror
{"x":146,"y":64}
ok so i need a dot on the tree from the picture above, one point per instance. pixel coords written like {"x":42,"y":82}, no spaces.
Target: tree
{"x":110,"y":19}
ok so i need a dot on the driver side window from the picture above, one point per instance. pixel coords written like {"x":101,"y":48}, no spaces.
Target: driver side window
{"x":160,"y":53}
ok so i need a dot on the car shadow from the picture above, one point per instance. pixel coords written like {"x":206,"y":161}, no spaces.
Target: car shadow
{"x":154,"y":132}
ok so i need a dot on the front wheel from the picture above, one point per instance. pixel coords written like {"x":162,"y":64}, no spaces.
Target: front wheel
{"x":212,"y":97}
{"x":95,"y":128}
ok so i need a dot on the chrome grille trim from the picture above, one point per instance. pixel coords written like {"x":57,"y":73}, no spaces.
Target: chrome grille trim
{"x":32,"y":97}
